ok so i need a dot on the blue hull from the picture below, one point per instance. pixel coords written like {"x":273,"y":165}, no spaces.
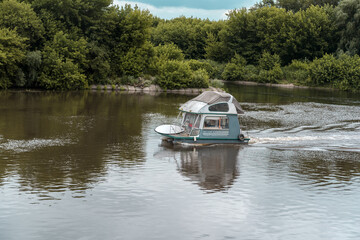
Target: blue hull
{"x":206,"y":141}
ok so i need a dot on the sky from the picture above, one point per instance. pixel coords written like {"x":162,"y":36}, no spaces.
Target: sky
{"x":168,"y":9}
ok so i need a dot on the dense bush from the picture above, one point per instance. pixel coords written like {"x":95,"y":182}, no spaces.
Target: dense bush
{"x":200,"y":64}
{"x":169,"y":51}
{"x":71,"y":44}
{"x":270,"y":70}
{"x":235,"y":70}
{"x":297,"y":72}
{"x":11,"y":55}
{"x":342,"y":72}
{"x":251,"y":73}
{"x":177,"y":74}
{"x":173,"y":74}
{"x":199,"y":79}
{"x":270,"y":76}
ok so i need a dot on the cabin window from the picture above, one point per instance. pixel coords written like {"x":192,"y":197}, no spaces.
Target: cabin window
{"x":220,"y":107}
{"x":212,"y":122}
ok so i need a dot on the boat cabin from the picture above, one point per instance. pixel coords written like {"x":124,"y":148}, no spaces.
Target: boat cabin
{"x":211,"y":117}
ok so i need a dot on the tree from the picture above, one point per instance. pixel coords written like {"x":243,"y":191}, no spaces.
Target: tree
{"x":12,"y":51}
{"x":348,"y":23}
{"x":64,"y":63}
{"x":124,"y":34}
{"x":270,"y":71}
{"x":235,"y":70}
{"x":71,"y":16}
{"x":21,"y":16}
{"x":216,"y":48}
{"x":189,"y":34}
{"x":240,"y":36}
{"x":313,"y":33}
{"x":297,"y":5}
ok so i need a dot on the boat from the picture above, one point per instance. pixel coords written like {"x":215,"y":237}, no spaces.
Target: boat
{"x":210,"y":118}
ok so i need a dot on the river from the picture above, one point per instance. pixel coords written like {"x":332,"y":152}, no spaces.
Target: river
{"x":88,"y":165}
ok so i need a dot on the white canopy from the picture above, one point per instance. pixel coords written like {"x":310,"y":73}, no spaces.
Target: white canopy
{"x":216,"y":101}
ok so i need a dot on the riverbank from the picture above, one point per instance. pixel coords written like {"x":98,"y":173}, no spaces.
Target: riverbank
{"x":280,"y":85}
{"x":152,"y":89}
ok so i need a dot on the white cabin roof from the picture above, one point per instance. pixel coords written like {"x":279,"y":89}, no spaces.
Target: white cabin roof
{"x":201,"y":103}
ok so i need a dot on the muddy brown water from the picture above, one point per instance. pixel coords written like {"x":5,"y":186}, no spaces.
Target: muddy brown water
{"x":88,"y":165}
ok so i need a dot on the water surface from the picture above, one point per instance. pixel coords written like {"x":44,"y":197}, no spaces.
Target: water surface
{"x":88,"y":165}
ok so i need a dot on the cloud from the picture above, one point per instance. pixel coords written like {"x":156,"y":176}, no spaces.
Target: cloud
{"x":201,"y":4}
{"x":173,"y":12}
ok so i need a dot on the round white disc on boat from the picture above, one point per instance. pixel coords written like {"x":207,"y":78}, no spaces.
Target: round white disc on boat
{"x":169,"y":129}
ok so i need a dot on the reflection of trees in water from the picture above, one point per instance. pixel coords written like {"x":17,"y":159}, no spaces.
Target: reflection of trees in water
{"x":319,"y":167}
{"x":213,"y":168}
{"x":101,"y":128}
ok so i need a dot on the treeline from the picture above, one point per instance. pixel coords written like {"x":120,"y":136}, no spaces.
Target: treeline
{"x":64,"y":44}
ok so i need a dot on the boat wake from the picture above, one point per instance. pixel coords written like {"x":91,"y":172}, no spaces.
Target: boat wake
{"x":314,"y":143}
{"x":19,"y":146}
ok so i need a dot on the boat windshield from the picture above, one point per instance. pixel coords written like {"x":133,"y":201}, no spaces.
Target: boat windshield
{"x":190,"y":121}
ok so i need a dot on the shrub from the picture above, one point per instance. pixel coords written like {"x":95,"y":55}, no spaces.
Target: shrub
{"x":235,"y":70}
{"x":216,"y":83}
{"x":270,"y":76}
{"x":198,"y":64}
{"x":270,"y":70}
{"x":169,"y":51}
{"x":174,"y":74}
{"x":251,"y":73}
{"x":61,"y":75}
{"x":297,"y":71}
{"x":342,"y":73}
{"x":269,"y":61}
{"x":324,"y":71}
{"x":199,"y":79}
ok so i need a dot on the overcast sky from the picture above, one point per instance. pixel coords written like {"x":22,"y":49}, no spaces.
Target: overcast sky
{"x":211,"y":9}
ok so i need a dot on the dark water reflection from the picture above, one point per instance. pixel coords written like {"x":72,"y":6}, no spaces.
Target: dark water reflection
{"x":214,"y":168}
{"x":88,"y":165}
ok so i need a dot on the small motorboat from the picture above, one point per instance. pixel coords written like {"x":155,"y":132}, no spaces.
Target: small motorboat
{"x":210,"y":118}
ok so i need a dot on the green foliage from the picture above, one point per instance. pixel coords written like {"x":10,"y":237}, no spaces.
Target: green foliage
{"x":270,"y":76}
{"x":215,"y":48}
{"x":269,"y":61}
{"x":137,"y":60}
{"x":33,"y":63}
{"x":20,"y":16}
{"x":270,"y":70}
{"x":216,"y":83}
{"x":304,"y":35}
{"x":189,"y":34}
{"x":124,"y":33}
{"x":70,"y":16}
{"x":199,"y":79}
{"x":251,"y":73}
{"x":67,"y":44}
{"x":64,"y":61}
{"x":297,"y":5}
{"x":323,"y":71}
{"x":98,"y":68}
{"x":315,"y":33}
{"x":174,"y":74}
{"x":297,"y":72}
{"x":12,"y":51}
{"x":201,"y":64}
{"x":169,"y":51}
{"x":235,"y":70}
{"x":177,"y":74}
{"x":61,"y":75}
{"x":348,"y":23}
{"x":342,"y":72}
